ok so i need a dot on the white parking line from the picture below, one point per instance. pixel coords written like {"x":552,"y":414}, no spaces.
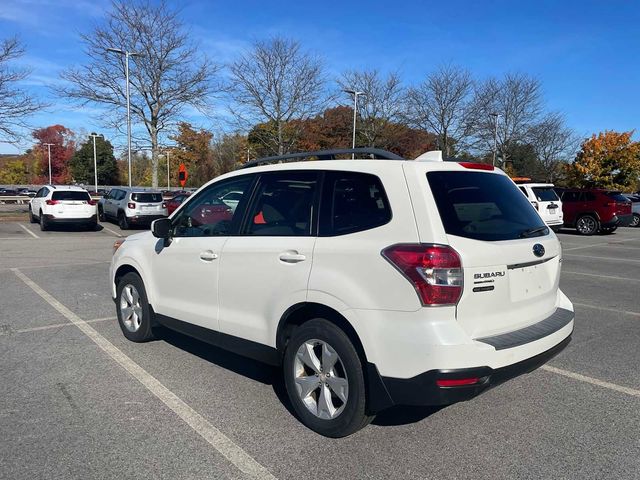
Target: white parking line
{"x":112,"y":231}
{"x":607,"y":309}
{"x":626,"y":279}
{"x":54,"y":265}
{"x":218,"y":440}
{"x":55,"y":325}
{"x":601,"y":258}
{"x":592,"y":381}
{"x":28,"y":231}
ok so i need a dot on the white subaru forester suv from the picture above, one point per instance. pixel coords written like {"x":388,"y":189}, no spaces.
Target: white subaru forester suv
{"x":373,"y":282}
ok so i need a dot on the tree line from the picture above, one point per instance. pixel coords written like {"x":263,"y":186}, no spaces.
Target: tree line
{"x":280,"y":98}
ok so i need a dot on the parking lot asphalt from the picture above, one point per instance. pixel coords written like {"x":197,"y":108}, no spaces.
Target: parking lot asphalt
{"x":77,"y":400}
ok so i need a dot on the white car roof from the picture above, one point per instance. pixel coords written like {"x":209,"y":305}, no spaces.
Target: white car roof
{"x":62,"y":188}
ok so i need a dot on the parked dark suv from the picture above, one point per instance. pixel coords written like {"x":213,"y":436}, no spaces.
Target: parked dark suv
{"x":595,"y":210}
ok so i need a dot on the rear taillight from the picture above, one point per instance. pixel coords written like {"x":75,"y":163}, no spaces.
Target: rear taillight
{"x":92,"y":202}
{"x":131,"y":205}
{"x":434,"y":270}
{"x":164,"y":204}
{"x":52,"y":202}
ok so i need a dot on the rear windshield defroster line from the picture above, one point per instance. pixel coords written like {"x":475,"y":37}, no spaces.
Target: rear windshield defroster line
{"x":483,"y":206}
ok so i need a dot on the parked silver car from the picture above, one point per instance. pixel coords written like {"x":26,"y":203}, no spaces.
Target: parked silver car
{"x":132,"y":206}
{"x":635,"y":209}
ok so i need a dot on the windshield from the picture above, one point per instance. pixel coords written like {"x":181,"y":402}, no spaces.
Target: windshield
{"x":545,"y":194}
{"x":146,"y":197}
{"x":483,"y":206}
{"x":71,"y":195}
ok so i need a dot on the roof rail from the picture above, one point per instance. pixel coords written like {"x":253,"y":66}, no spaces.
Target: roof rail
{"x":325,"y":155}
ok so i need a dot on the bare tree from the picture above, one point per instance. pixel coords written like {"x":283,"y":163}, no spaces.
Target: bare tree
{"x":276,"y":82}
{"x":554,"y":144}
{"x":440,"y":105}
{"x":517,"y":99}
{"x":15,"y":104}
{"x":382,"y":102}
{"x":168,"y":76}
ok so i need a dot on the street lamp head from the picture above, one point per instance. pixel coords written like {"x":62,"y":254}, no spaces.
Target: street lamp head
{"x":116,"y":50}
{"x":135,"y":54}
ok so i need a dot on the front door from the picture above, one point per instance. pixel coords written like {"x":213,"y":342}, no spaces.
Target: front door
{"x":265,"y":269}
{"x":186,"y":268}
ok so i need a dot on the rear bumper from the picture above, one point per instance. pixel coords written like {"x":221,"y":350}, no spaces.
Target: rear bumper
{"x":144,"y":219}
{"x":53,"y":220}
{"x":422,"y":390}
{"x":618,"y":221}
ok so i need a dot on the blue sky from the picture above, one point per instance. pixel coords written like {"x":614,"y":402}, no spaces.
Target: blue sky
{"x":586,"y":53}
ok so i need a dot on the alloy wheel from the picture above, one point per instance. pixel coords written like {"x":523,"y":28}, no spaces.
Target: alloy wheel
{"x":320,"y":379}
{"x":130,"y":308}
{"x":586,"y":225}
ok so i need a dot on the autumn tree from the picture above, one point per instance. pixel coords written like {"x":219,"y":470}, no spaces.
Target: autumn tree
{"x":62,"y":149}
{"x":14,"y":172}
{"x":380,"y":105}
{"x":330,"y":129}
{"x":440,"y":104}
{"x":274,"y":83}
{"x":82,"y":163}
{"x":607,"y":160}
{"x":193,"y":148}
{"x":15,"y":103}
{"x":167,"y":74}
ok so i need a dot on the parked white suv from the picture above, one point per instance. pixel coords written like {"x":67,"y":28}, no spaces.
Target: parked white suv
{"x":132,"y":206}
{"x":373,"y":282}
{"x":545,"y":199}
{"x":63,"y":205}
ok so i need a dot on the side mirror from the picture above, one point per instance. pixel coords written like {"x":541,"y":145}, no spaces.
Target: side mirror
{"x":161,"y":228}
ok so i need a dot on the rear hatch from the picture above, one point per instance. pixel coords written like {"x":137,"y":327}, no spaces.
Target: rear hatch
{"x":621,"y":204}
{"x":549,"y":205}
{"x":148,"y":203}
{"x":72,"y":204}
{"x":510,"y":259}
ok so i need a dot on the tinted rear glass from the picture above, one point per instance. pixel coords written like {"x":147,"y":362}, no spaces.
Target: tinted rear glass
{"x":483,"y":206}
{"x":618,"y":197}
{"x":71,"y":195}
{"x":545,"y":194}
{"x":146,"y":197}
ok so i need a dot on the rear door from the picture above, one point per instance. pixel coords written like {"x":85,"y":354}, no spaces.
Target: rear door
{"x":511,"y":261}
{"x":549,"y":205}
{"x":571,"y":206}
{"x":148,"y":203}
{"x":265,"y":269}
{"x":72,"y":204}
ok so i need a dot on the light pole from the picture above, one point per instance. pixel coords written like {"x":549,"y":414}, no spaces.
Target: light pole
{"x":127,"y":54}
{"x":495,"y":135}
{"x":95,"y":159}
{"x":355,"y":94}
{"x":49,"y":149}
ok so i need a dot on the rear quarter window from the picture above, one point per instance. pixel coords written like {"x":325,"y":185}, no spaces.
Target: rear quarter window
{"x":483,"y":206}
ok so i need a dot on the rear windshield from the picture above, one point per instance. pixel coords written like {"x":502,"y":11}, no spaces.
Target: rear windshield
{"x":617,"y":197}
{"x":545,"y":194}
{"x":71,"y":195}
{"x":483,"y":206}
{"x":146,"y":197}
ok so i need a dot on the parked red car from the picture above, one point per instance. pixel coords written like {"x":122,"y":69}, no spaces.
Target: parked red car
{"x":595,"y":210}
{"x":175,"y":202}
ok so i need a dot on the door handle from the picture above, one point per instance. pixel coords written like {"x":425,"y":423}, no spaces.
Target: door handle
{"x":208,"y":256}
{"x":292,"y":257}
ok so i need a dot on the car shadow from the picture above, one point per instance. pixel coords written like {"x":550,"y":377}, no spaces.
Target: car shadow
{"x":73,"y":228}
{"x":269,"y":375}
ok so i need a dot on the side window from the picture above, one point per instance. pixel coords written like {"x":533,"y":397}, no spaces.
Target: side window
{"x":570,"y":197}
{"x":40,"y":193}
{"x":352,"y":202}
{"x":523,"y":190}
{"x":207,"y":215}
{"x":283,"y":204}
{"x":589,"y":197}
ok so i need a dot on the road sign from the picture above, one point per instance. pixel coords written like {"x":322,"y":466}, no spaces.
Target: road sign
{"x":182,"y":175}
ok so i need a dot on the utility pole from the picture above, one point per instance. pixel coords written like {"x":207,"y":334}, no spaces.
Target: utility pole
{"x":95,"y":159}
{"x":49,"y":149}
{"x":127,"y":54}
{"x":495,"y":135}
{"x":355,"y":94}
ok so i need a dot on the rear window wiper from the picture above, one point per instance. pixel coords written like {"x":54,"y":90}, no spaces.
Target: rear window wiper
{"x":532,"y":231}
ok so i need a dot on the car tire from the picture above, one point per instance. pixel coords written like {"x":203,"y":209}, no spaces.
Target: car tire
{"x":331,"y":403}
{"x":135,"y":316}
{"x":32,"y":218}
{"x":587,"y":225}
{"x":122,"y":221}
{"x":635,"y":222}
{"x":43,"y":222}
{"x":101,"y":215}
